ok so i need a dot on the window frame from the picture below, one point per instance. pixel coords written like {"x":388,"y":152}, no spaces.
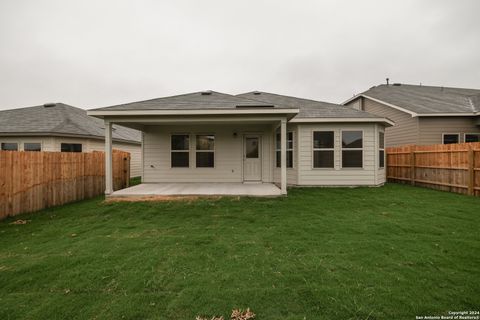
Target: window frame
{"x":381,"y":149}
{"x":39,"y":143}
{"x":352,"y":149}
{"x":70,"y":143}
{"x":452,"y":134}
{"x":2,"y":143}
{"x":178,"y":151}
{"x":312,"y":134}
{"x":211,"y":151}
{"x":471,"y":134}
{"x":287,"y":150}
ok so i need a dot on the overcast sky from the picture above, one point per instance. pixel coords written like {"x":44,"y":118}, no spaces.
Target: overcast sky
{"x":94,"y":53}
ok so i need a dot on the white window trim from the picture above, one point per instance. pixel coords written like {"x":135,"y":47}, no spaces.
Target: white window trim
{"x":188,"y":150}
{"x":473,"y":134}
{"x":452,"y":134}
{"x":312,"y":133}
{"x":381,"y":149}
{"x":352,"y":149}
{"x":212,"y":151}
{"x":292,"y":149}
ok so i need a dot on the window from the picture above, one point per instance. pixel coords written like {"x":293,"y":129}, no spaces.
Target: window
{"x":472,"y":137}
{"x":381,"y":150}
{"x":251,"y":148}
{"x":205,"y":153}
{"x":9,"y":146}
{"x":180,"y":147}
{"x":449,"y":138}
{"x":289,"y":149}
{"x":71,"y":147}
{"x":32,"y":146}
{"x":323,"y":152}
{"x":352,"y":149}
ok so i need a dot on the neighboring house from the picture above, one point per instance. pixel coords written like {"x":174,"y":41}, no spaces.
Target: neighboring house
{"x":423,"y":114}
{"x":253,"y":137}
{"x":60,"y":127}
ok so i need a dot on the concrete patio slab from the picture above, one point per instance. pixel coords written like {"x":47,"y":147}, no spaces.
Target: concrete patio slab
{"x":199,"y":189}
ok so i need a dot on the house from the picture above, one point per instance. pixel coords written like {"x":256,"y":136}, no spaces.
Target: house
{"x":60,"y":127}
{"x":423,"y":114}
{"x":256,"y":137}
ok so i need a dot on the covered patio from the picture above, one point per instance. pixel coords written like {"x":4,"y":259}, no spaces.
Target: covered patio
{"x":198,"y":189}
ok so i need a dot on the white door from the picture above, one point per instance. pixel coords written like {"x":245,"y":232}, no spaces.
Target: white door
{"x":252,"y":159}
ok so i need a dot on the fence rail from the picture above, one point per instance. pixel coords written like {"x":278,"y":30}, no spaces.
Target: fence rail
{"x":448,"y":167}
{"x":30,"y":181}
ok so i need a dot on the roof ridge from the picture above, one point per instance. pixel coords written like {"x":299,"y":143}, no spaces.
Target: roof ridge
{"x":283,"y":95}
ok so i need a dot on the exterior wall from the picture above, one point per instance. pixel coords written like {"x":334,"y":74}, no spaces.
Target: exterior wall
{"x":432,"y":128}
{"x":292,"y":173}
{"x":88,"y":145}
{"x":228,"y":153}
{"x":369,"y":175}
{"x":406,"y":128}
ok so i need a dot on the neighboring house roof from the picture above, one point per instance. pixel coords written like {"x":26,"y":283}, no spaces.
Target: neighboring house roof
{"x":308,"y":108}
{"x":60,"y":120}
{"x":425,"y":100}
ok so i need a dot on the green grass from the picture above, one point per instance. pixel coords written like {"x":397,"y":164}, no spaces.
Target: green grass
{"x":135,"y":180}
{"x":368,"y":253}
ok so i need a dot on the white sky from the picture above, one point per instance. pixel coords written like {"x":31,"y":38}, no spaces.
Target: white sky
{"x":95,"y":53}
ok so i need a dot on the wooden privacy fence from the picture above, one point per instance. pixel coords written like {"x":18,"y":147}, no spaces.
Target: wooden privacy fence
{"x":448,"y":167}
{"x":30,"y":181}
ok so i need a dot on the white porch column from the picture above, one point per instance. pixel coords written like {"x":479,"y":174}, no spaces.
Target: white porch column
{"x":108,"y":158}
{"x":283,"y":155}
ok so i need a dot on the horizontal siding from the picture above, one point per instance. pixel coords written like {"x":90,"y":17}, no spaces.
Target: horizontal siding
{"x":228,"y":153}
{"x":432,"y":128}
{"x":307,"y":175}
{"x":405,"y":130}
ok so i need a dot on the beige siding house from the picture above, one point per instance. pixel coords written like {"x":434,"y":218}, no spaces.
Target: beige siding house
{"x":252,"y":138}
{"x":422,"y":114}
{"x":60,"y":127}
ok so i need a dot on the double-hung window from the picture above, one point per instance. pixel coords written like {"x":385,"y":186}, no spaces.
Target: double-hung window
{"x":289,"y":149}
{"x":352,"y":149}
{"x":449,"y":138}
{"x":381,"y":150}
{"x":323,"y":149}
{"x":205,"y":151}
{"x":71,"y":147}
{"x":472,"y":137}
{"x":179,"y":149}
{"x":32,"y":146}
{"x":9,"y":146}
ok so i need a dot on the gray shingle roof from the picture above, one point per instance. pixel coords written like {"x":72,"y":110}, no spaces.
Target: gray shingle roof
{"x":428,"y":99}
{"x":60,"y":119}
{"x":196,"y":100}
{"x":308,"y":108}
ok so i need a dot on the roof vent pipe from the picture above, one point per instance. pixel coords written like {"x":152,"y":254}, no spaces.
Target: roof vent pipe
{"x":388,"y":81}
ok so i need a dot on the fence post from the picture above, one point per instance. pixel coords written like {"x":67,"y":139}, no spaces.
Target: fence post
{"x":471,"y":171}
{"x":412,"y":165}
{"x":126,"y":170}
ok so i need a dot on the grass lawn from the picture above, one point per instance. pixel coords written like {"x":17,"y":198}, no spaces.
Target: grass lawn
{"x":368,"y":253}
